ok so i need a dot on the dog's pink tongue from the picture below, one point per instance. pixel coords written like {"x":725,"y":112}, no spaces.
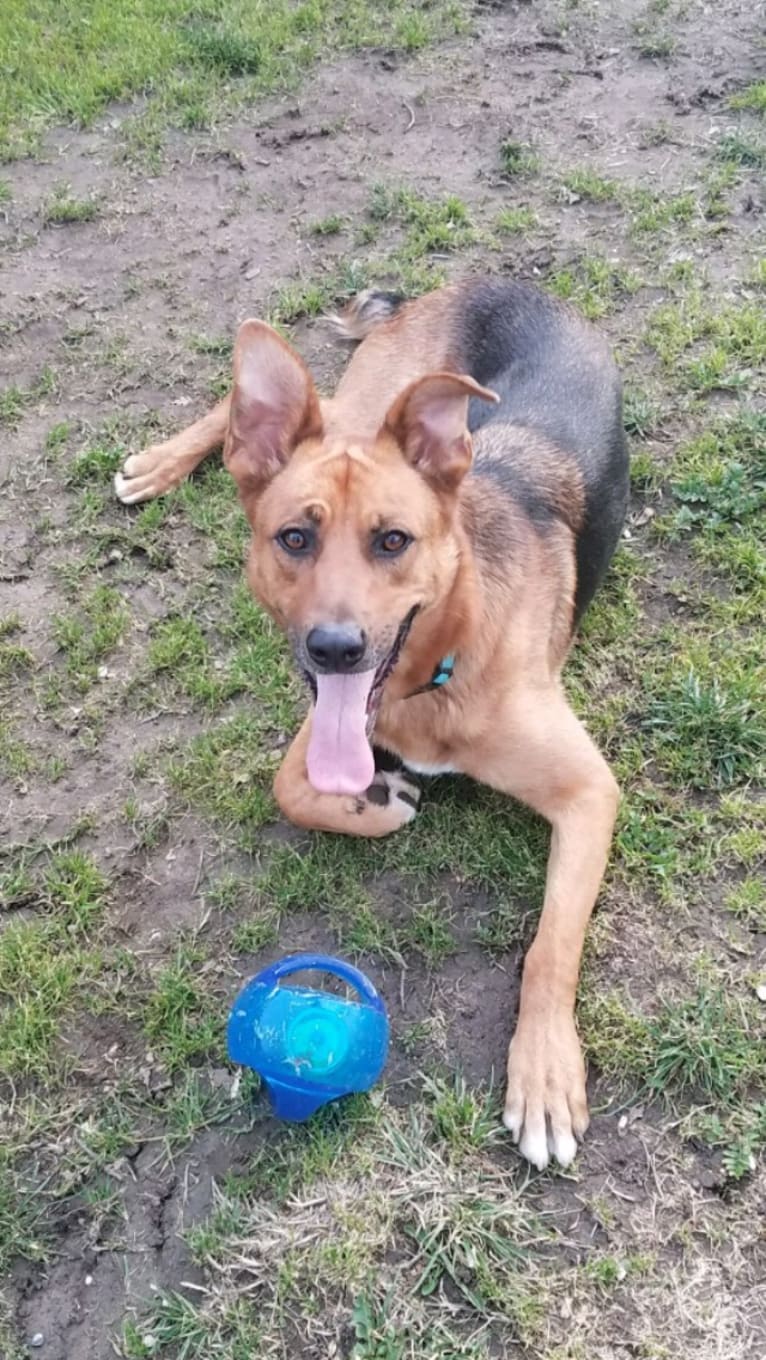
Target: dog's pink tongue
{"x":339,"y":758}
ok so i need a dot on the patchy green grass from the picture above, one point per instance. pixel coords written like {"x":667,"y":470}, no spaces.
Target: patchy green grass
{"x":518,"y":159}
{"x":180,"y":1019}
{"x":63,"y":208}
{"x":15,"y":400}
{"x":706,"y":720}
{"x":89,"y":634}
{"x":594,"y":285}
{"x":736,"y":148}
{"x":516,"y":221}
{"x":327,"y":226}
{"x":455,"y":1228}
{"x":585,"y":183}
{"x":66,"y":62}
{"x":654,"y":213}
{"x":47,"y":959}
{"x":710,"y":349}
{"x":753,"y":97}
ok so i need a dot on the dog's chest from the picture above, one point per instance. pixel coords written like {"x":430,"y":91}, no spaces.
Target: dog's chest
{"x":418,"y":768}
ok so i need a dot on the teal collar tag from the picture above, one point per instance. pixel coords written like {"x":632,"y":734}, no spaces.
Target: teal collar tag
{"x":443,"y":672}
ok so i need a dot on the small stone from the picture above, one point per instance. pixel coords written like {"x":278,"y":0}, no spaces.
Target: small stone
{"x":760,"y":991}
{"x":37,"y":1341}
{"x":89,"y":1280}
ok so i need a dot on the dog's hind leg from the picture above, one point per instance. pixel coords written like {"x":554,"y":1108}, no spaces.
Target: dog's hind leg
{"x":162,"y":467}
{"x":541,"y":755}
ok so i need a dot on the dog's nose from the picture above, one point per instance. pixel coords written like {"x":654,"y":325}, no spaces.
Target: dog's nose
{"x":338,"y":647}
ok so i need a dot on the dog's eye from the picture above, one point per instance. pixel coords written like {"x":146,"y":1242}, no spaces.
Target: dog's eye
{"x":392,"y":542}
{"x":294,"y":541}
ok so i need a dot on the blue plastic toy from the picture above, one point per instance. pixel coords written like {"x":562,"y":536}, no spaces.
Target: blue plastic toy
{"x":309,"y":1046}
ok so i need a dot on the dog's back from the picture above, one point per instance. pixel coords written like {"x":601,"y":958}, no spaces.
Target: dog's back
{"x":556,"y":378}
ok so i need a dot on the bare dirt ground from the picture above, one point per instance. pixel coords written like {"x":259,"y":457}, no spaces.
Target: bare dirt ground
{"x":116,"y":327}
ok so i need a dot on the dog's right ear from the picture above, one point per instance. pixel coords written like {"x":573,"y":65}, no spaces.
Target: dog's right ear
{"x":274,"y":406}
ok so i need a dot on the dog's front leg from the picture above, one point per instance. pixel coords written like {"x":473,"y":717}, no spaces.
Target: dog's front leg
{"x":388,"y":804}
{"x":161,"y":467}
{"x":545,"y":758}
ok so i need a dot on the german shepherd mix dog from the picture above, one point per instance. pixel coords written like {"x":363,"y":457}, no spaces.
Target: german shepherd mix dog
{"x":428,"y":539}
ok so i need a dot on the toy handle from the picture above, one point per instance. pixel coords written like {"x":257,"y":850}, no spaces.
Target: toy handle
{"x":322,"y":963}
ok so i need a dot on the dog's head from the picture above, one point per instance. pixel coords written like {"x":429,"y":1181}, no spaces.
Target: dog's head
{"x":351,"y":539}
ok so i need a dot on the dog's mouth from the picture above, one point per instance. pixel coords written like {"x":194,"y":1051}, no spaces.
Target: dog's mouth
{"x":339,"y":757}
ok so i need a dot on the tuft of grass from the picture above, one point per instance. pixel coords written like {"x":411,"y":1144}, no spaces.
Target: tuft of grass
{"x":705,"y":1044}
{"x":89,"y":635}
{"x":753,"y":97}
{"x":432,"y":224}
{"x":596,"y":286}
{"x":591,"y":187}
{"x":14,"y":400}
{"x":516,"y":221}
{"x":180,"y":1019}
{"x":328,"y":226}
{"x":654,"y":44}
{"x":653,"y":213}
{"x":96,"y":464}
{"x":709,"y":730}
{"x":748,"y":903}
{"x":518,"y":158}
{"x":734,"y":148}
{"x":641,"y":413}
{"x":63,"y":208}
{"x":46,"y":960}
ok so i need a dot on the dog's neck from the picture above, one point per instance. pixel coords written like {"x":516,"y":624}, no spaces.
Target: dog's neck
{"x":447,"y":629}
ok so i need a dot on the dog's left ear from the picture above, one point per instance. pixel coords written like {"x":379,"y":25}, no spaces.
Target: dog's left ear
{"x":274,"y":406}
{"x":429,"y":422}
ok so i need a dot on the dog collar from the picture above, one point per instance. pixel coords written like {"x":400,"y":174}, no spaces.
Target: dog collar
{"x":443,"y":672}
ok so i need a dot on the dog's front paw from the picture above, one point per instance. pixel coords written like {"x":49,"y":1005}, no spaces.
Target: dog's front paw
{"x":546,"y":1108}
{"x":396,"y":791}
{"x":153,"y":472}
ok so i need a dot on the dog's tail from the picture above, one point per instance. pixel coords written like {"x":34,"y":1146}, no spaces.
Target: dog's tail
{"x":364,"y":312}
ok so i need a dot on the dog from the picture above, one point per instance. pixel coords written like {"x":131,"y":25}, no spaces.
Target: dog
{"x":428,"y":539}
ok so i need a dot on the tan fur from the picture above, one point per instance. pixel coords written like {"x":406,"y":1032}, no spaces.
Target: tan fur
{"x":360,"y":461}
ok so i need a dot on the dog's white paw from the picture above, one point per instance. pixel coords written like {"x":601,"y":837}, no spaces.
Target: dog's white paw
{"x":546,"y":1109}
{"x":153,"y":472}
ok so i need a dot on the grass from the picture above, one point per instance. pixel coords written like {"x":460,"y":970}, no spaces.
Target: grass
{"x":712,"y":349}
{"x":63,"y":208}
{"x":67,"y":62}
{"x":516,"y":221}
{"x":753,"y":98}
{"x":90,"y":634}
{"x":518,"y":159}
{"x":180,"y":1021}
{"x":594,"y":285}
{"x":15,"y":400}
{"x":735,"y":148}
{"x":46,"y":960}
{"x":147,"y":702}
{"x":594,"y":188}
